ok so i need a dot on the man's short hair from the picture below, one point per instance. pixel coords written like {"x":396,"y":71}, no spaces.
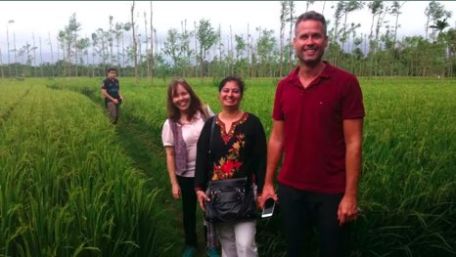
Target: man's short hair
{"x":108,"y":70}
{"x":312,"y":15}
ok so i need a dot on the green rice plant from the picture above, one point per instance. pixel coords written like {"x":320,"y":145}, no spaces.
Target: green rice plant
{"x":66,"y":188}
{"x":406,"y":193}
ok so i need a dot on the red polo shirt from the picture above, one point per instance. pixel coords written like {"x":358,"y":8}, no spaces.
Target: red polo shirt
{"x":314,"y":145}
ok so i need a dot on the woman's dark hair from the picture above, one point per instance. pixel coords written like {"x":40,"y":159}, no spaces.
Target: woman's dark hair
{"x":195,"y":102}
{"x":238,"y":81}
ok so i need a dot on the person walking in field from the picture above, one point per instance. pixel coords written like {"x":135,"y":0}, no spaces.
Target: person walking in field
{"x":110,"y":90}
{"x":180,"y":133}
{"x":232,"y":154}
{"x":317,"y":128}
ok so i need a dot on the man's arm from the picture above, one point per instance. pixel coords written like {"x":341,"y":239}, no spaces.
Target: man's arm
{"x":353,"y":133}
{"x":105,"y":94}
{"x":275,"y":147}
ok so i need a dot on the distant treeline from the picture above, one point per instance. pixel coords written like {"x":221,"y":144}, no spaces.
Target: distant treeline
{"x":204,"y":51}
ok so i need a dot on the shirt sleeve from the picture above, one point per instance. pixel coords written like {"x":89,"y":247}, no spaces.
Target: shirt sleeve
{"x":167,"y":134}
{"x":352,"y":100}
{"x":259,"y":155}
{"x":202,"y":157}
{"x":103,"y":85}
{"x":277,"y":112}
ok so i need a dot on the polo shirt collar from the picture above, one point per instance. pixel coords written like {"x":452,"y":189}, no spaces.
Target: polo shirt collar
{"x":325,"y":74}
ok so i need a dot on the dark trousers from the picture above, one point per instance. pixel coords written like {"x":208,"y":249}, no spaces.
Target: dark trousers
{"x":301,"y":210}
{"x":188,"y":194}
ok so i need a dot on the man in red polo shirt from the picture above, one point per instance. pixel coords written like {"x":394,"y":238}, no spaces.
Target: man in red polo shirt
{"x":317,"y":127}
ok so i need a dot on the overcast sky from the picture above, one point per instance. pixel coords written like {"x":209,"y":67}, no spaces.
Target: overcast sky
{"x":43,"y":17}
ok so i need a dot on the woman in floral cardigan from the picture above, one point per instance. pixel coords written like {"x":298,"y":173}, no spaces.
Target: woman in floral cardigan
{"x":237,"y":150}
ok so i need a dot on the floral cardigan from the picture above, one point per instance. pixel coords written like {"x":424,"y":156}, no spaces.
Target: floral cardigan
{"x":240,"y":152}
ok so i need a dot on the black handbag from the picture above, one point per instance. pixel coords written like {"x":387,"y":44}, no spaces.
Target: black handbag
{"x":230,"y":200}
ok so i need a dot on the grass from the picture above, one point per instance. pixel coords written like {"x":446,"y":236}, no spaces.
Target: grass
{"x":114,"y":199}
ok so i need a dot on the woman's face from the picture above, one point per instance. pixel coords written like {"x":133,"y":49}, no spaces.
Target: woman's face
{"x":181,"y":98}
{"x":230,"y":95}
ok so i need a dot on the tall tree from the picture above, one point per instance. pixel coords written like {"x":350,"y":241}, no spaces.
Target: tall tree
{"x":434,"y":12}
{"x":283,"y":20}
{"x":110,"y":37}
{"x":291,"y":20}
{"x":126,"y":27}
{"x":41,"y":58}
{"x":82,"y":45}
{"x":396,"y":11}
{"x":375,"y":8}
{"x":135,"y":44}
{"x":338,"y":12}
{"x":151,"y":54}
{"x":171,"y":47}
{"x":1,"y":64}
{"x":350,"y":6}
{"x":52,"y":55}
{"x":68,"y":37}
{"x":184,"y":48}
{"x":207,"y":37}
{"x":146,"y":42}
{"x":241,"y":61}
{"x":266,"y":44}
{"x":308,"y":4}
{"x":8,"y":45}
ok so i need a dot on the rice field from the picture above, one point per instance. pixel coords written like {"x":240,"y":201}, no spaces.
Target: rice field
{"x":71,"y":184}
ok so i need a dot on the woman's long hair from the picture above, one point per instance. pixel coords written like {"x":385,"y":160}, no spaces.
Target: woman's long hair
{"x":195,"y":102}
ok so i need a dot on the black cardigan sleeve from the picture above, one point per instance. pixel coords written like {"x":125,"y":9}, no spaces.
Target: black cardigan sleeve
{"x":202,"y":157}
{"x":259,"y":154}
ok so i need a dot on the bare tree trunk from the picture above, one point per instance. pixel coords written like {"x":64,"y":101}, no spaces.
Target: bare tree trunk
{"x":15,"y":54}
{"x":93,"y":60}
{"x":147,"y":45}
{"x":323,"y":8}
{"x":140,"y":56}
{"x":290,"y":52}
{"x":123,"y":48}
{"x":135,"y":53}
{"x":1,"y":64}
{"x":52,"y":54}
{"x":8,"y":48}
{"x":41,"y":58}
{"x":220,"y":48}
{"x":249,"y":45}
{"x":283,"y":14}
{"x":151,"y":43}
{"x":111,"y":41}
{"x":196,"y":49}
{"x":231,"y":69}
{"x":33,"y":68}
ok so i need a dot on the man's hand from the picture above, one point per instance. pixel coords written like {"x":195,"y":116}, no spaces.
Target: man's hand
{"x":202,"y":199}
{"x":348,"y":210}
{"x":268,"y":192}
{"x":115,"y":101}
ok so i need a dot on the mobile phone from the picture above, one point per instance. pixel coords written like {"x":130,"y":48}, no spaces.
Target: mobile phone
{"x":268,"y":209}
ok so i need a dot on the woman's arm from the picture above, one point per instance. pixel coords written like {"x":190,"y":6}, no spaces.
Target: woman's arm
{"x":171,"y":167}
{"x":202,"y":163}
{"x":168,"y":143}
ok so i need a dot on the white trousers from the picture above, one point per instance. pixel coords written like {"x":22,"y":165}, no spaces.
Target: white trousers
{"x":238,"y":239}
